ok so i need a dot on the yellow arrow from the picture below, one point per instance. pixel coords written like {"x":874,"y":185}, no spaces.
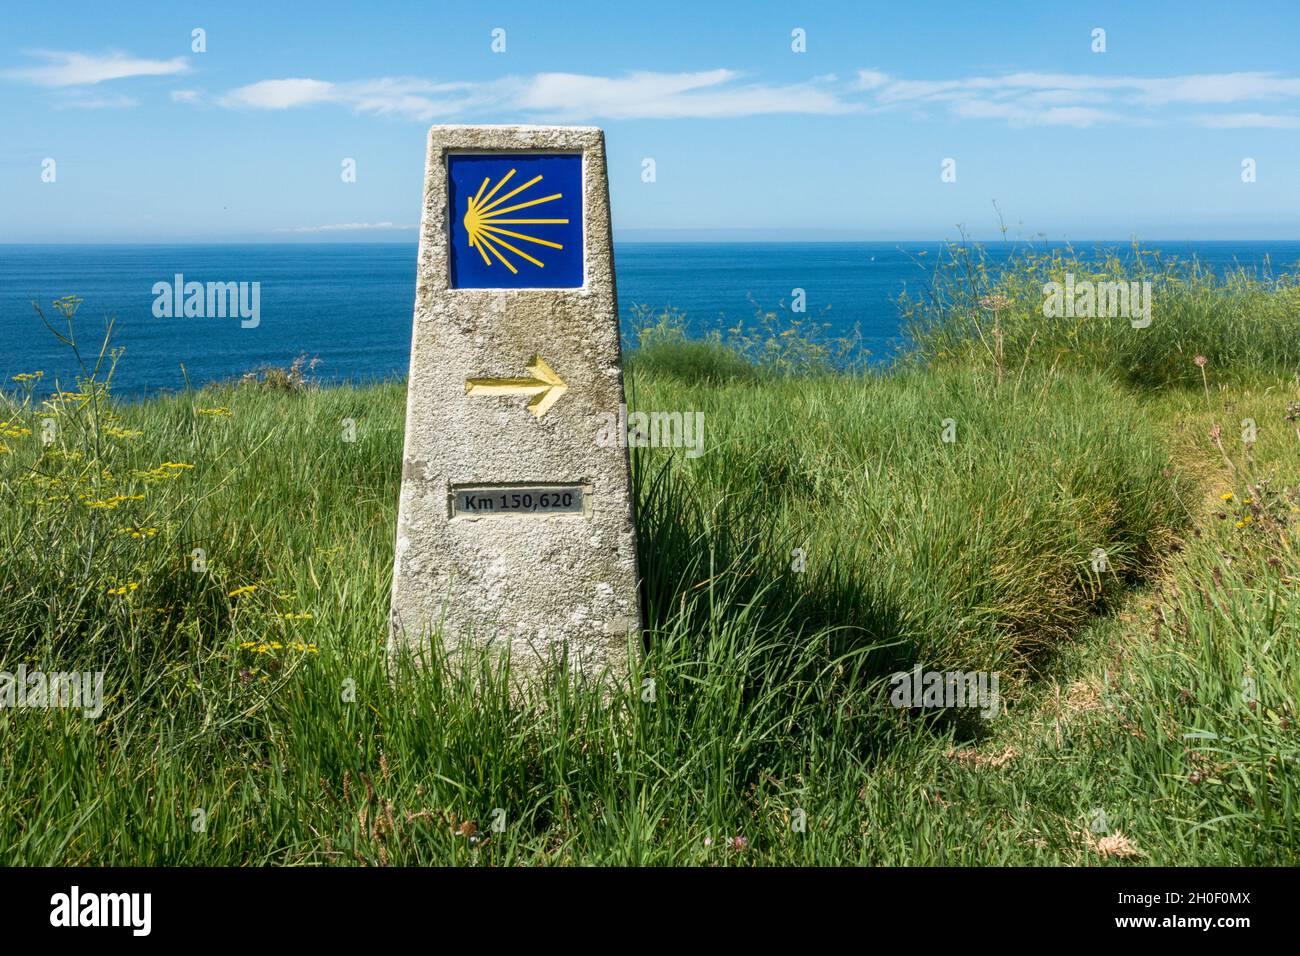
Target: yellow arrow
{"x":544,"y":384}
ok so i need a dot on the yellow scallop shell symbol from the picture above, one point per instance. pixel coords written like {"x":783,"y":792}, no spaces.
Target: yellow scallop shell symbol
{"x":483,"y":222}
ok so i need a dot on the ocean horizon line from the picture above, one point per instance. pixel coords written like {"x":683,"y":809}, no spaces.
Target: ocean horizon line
{"x":1128,"y":240}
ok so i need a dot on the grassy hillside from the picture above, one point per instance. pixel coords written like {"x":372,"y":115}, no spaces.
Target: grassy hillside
{"x":829,"y":536}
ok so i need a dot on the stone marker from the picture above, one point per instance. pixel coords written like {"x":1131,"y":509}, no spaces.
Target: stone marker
{"x":515,"y":528}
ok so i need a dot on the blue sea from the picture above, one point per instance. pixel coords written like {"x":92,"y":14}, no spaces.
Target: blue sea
{"x":350,"y":305}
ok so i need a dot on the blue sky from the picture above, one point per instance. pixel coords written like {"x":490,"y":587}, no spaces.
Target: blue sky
{"x":245,"y":142}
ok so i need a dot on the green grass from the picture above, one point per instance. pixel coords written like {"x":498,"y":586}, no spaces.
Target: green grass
{"x":1243,"y":322}
{"x":257,"y":690}
{"x":972,"y":553}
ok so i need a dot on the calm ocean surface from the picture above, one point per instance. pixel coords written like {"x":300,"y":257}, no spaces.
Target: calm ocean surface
{"x":350,"y":305}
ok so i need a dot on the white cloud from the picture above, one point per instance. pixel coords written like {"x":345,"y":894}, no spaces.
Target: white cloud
{"x":83,"y":69}
{"x":186,"y":96}
{"x":279,"y":94}
{"x":641,"y":95}
{"x":871,"y":79}
{"x":1196,"y":88}
{"x":1248,"y":121}
{"x":1019,"y":115}
{"x":1026,"y":98}
{"x":347,"y":227}
{"x":78,"y":99}
{"x":709,"y":94}
{"x":404,"y":96}
{"x":1219,"y":88}
{"x":1072,"y":99}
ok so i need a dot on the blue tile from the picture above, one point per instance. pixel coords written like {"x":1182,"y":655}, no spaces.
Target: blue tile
{"x":516,"y":220}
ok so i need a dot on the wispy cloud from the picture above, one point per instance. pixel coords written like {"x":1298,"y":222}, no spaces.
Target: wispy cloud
{"x":348,"y":227}
{"x":710,"y":94}
{"x":1034,"y":114}
{"x":1248,"y":121}
{"x":62,"y":69}
{"x":85,"y":99}
{"x":1083,"y":99}
{"x":280,"y":94}
{"x":1015,"y":99}
{"x":567,"y":96}
{"x":410,"y":97}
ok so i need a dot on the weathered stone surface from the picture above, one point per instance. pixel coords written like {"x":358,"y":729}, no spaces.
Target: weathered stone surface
{"x":533,"y":582}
